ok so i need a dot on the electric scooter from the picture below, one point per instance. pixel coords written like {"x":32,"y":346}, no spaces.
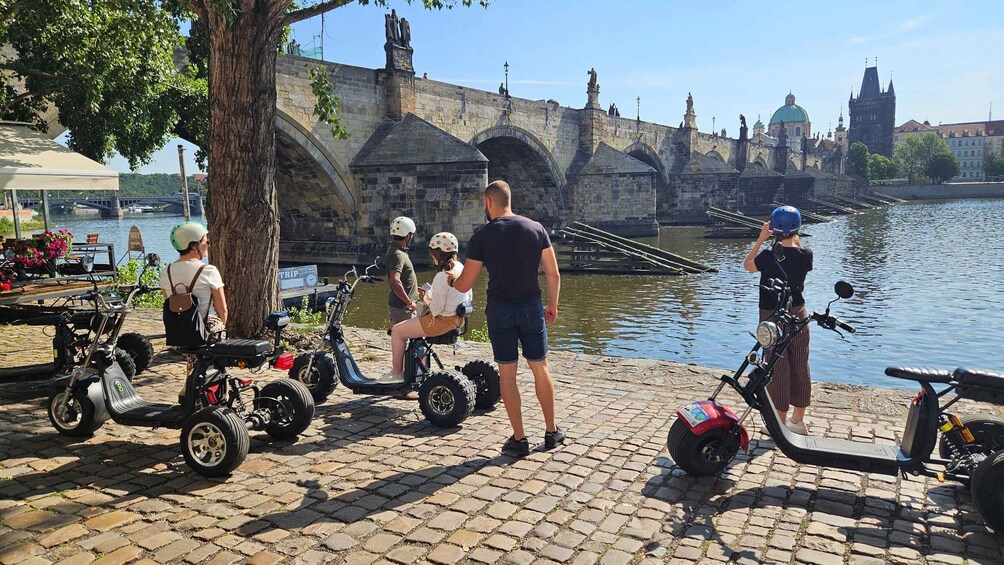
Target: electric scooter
{"x":446,"y":397}
{"x":214,"y":418}
{"x":707,"y":435}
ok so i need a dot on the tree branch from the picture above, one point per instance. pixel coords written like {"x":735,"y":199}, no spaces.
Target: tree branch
{"x":39,"y":74}
{"x":315,"y":10}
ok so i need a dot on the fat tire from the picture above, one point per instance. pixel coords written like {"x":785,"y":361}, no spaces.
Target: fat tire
{"x":685,"y":448}
{"x":486,"y":379}
{"x":234,"y":434}
{"x":296,"y":398}
{"x":324,"y":367}
{"x":126,"y":363}
{"x":464,"y":395}
{"x":87,"y":424}
{"x":988,"y":431}
{"x":139,"y":348}
{"x":987,"y":486}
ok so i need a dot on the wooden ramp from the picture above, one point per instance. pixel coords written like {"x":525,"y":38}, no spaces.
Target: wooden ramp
{"x":887,"y":198}
{"x":854,"y":203}
{"x":731,"y":225}
{"x":833,"y":207}
{"x":876,"y":202}
{"x":586,"y":248}
{"x":809,"y":217}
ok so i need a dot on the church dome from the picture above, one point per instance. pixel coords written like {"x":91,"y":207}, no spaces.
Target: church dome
{"x":758,"y":124}
{"x":790,"y":112}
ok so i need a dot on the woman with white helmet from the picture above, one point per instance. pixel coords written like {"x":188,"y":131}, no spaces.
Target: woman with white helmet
{"x":442,"y":300}
{"x":190,"y":274}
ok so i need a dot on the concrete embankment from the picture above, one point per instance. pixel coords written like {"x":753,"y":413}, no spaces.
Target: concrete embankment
{"x":944,"y":191}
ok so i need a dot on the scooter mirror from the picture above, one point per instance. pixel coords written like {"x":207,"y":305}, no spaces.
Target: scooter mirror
{"x":843,"y":289}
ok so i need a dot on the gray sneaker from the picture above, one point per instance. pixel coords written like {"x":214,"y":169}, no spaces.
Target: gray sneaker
{"x":513,"y":446}
{"x":555,"y":438}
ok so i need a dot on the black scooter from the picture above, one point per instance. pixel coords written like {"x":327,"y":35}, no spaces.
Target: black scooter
{"x":706,"y":435}
{"x":214,"y":418}
{"x":446,"y":397}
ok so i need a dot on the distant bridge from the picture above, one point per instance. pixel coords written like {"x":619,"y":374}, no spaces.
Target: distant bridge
{"x":112,"y":206}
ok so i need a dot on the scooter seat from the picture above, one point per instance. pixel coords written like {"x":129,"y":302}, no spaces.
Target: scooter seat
{"x":239,"y":348}
{"x":982,"y":379}
{"x":920,"y":374}
{"x":449,"y":338}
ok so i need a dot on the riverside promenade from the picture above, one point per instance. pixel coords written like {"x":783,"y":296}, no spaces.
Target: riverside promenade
{"x":371,"y":482}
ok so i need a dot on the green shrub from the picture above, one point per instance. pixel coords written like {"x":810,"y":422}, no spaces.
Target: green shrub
{"x":128,"y":275}
{"x":303,"y":314}
{"x":479,"y":335}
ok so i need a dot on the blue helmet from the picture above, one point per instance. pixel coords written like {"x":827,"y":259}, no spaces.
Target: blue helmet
{"x":785,"y":221}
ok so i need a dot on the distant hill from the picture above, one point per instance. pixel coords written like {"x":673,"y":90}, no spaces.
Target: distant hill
{"x":135,"y":184}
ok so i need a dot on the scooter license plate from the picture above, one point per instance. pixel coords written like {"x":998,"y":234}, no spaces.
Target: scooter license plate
{"x":694,"y":414}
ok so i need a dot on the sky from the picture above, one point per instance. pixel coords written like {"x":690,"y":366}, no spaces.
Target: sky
{"x":733,"y":56}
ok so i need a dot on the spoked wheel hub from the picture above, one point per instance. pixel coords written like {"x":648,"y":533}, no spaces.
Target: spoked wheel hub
{"x":207,"y":444}
{"x":441,"y":400}
{"x":67,"y":411}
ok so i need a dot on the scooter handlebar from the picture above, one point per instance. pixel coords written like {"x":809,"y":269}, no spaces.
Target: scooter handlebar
{"x":844,"y":326}
{"x":831,"y":322}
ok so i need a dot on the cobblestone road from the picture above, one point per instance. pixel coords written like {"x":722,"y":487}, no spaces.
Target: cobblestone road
{"x":370,"y":482}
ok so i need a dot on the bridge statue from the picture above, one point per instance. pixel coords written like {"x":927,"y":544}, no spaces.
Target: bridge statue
{"x":593,"y":85}
{"x":391,"y":28}
{"x":743,"y":130}
{"x":690,"y":117}
{"x":690,"y":103}
{"x":405,"y":33}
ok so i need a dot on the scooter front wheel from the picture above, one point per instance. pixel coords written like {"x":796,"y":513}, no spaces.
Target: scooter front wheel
{"x":700,"y":455}
{"x":75,"y":418}
{"x":320,"y":380}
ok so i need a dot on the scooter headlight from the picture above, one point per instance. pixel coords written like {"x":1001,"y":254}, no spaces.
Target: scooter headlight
{"x":768,"y":334}
{"x":329,"y":304}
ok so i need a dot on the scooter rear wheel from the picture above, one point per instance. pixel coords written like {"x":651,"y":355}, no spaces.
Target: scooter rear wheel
{"x":694,"y":453}
{"x":988,"y":435}
{"x":987,"y":485}
{"x":321,"y":379}
{"x":446,"y":399}
{"x":486,"y":379}
{"x":77,"y":418}
{"x":214,"y":441}
{"x":299,"y":408}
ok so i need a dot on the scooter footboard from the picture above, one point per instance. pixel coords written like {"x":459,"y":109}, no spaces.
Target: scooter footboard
{"x":707,"y":415}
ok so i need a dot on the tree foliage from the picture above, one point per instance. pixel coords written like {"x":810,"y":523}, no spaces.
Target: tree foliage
{"x":915,"y":152}
{"x":881,"y":167}
{"x":858,"y":157}
{"x":108,"y":66}
{"x":942,"y":167}
{"x":993,"y":166}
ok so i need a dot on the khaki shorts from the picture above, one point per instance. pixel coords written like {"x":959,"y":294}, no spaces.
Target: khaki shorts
{"x":435,"y":326}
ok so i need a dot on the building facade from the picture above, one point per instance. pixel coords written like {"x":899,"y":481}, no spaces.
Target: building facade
{"x":795,"y":121}
{"x":873,"y":114}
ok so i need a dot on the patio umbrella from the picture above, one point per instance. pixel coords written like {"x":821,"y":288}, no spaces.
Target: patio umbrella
{"x":29,"y":160}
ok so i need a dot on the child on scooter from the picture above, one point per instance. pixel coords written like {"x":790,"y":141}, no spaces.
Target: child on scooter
{"x":442,"y":301}
{"x":791,"y":385}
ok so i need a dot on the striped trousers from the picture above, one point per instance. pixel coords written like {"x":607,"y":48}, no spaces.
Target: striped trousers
{"x":792,"y":383}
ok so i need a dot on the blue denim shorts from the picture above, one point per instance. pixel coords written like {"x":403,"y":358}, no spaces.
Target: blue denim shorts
{"x":509,"y":324}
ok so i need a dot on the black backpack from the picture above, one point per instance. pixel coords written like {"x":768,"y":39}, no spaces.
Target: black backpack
{"x":183,"y":325}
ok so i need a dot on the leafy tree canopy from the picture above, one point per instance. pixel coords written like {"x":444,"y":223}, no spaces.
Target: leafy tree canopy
{"x":942,"y":167}
{"x":915,"y":152}
{"x":881,"y":167}
{"x":993,"y":166}
{"x":858,"y":157}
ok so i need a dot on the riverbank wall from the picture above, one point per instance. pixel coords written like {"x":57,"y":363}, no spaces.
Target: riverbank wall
{"x":945,"y":191}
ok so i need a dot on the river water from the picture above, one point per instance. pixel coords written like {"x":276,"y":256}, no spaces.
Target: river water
{"x":928,"y":279}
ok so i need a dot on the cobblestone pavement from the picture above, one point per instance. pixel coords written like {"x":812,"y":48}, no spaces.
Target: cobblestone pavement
{"x":370,"y":481}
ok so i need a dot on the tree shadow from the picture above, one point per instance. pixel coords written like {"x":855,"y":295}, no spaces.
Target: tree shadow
{"x":379,"y":495}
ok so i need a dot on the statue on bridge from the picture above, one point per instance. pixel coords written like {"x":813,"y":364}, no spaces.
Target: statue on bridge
{"x":593,"y":86}
{"x":391,"y":28}
{"x":690,"y":103}
{"x":743,"y":130}
{"x":405,"y":33}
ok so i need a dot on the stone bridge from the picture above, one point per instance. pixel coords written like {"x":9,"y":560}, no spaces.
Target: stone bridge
{"x":426,"y":149}
{"x":111,"y":205}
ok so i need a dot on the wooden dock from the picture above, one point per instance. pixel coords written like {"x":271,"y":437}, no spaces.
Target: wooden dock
{"x":832,"y":207}
{"x":586,"y":248}
{"x":854,"y":203}
{"x":888,"y":199}
{"x":809,"y":217}
{"x":731,"y":225}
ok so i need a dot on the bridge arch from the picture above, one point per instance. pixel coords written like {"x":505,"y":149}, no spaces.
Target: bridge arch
{"x":519,"y":158}
{"x":716,"y":155}
{"x":644,"y":153}
{"x":315,"y":201}
{"x":759,"y":160}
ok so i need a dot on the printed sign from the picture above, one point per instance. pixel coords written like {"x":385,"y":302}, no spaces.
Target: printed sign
{"x":302,"y":276}
{"x":694,"y":414}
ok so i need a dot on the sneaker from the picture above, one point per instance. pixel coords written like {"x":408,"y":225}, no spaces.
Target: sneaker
{"x":515,"y":446}
{"x":555,"y":438}
{"x":390,"y":377}
{"x":798,"y":428}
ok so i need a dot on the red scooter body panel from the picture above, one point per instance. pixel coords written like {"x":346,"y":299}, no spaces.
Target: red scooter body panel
{"x":705,"y":415}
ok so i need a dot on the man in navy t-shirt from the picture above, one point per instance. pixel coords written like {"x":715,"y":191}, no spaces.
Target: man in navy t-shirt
{"x":512,"y":248}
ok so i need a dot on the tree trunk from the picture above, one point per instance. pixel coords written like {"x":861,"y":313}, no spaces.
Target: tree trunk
{"x":243,"y":210}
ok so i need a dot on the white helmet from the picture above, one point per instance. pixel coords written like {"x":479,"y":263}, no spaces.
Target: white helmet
{"x":444,"y":241}
{"x":401,"y":226}
{"x":186,"y":233}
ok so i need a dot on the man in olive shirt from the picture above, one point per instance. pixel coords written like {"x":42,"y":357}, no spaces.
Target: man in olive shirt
{"x":400,"y":272}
